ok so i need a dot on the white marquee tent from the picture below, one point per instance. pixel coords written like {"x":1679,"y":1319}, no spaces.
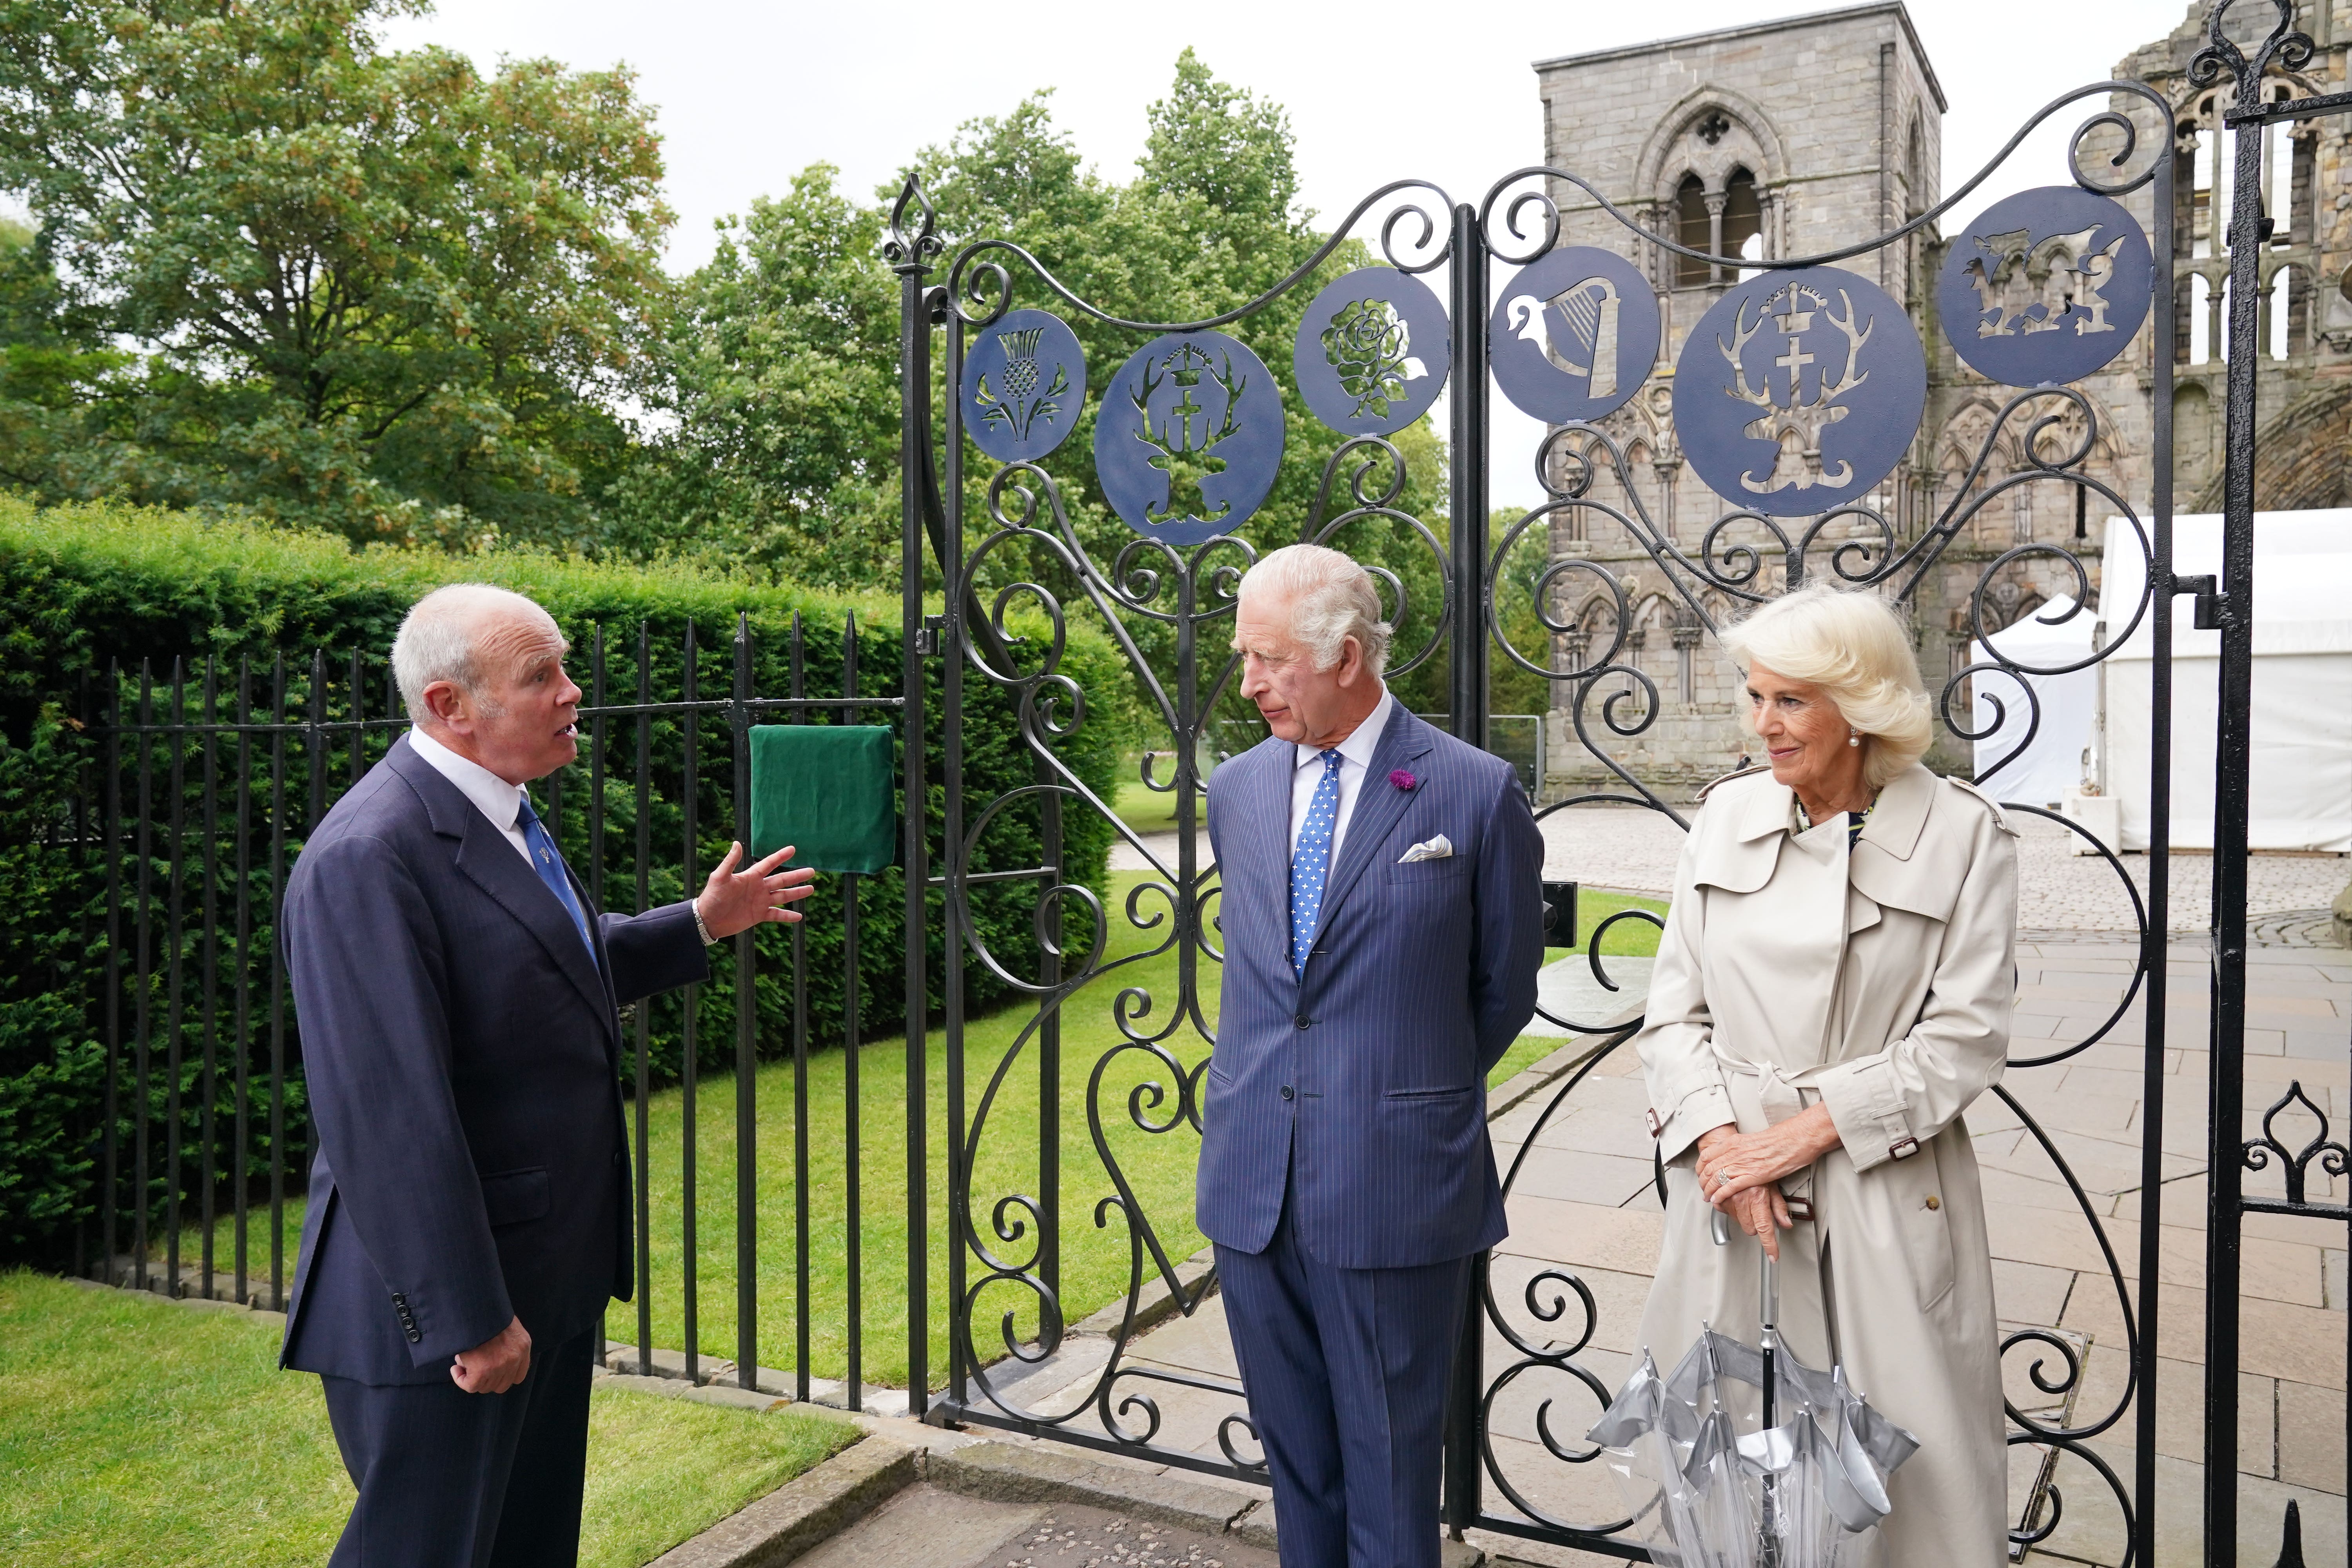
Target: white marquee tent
{"x":2302,"y":772}
{"x":2051,"y":764}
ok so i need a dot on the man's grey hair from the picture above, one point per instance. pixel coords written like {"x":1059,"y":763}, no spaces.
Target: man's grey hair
{"x":1331,"y":600}
{"x":437,"y":642}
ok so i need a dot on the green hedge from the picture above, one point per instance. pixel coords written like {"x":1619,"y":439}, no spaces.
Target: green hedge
{"x":81,"y":587}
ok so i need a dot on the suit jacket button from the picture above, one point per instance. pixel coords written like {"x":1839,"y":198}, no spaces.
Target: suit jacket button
{"x":1302,"y":1020}
{"x":1288,"y":1092}
{"x":620,"y":1157}
{"x":414,"y":1338}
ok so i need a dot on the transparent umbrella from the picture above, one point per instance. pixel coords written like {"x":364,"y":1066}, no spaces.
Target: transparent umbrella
{"x":1715,"y":1479}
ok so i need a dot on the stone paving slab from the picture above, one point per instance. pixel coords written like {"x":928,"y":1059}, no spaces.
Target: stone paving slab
{"x":1584,"y":1205}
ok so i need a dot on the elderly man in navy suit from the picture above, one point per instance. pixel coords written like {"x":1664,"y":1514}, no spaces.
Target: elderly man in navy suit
{"x":1383,"y":922}
{"x":469,"y":1210}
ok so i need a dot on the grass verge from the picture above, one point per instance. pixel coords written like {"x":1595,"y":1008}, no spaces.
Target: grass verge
{"x":1103,"y":1079}
{"x":140,"y":1434}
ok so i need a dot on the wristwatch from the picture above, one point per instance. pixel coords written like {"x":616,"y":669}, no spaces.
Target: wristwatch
{"x":701,"y":929}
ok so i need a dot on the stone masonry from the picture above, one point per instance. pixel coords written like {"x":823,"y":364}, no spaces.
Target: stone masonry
{"x":1806,"y":134}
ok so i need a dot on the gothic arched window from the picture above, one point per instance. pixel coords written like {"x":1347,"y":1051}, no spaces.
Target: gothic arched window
{"x":1743,"y":218}
{"x":1691,"y":229}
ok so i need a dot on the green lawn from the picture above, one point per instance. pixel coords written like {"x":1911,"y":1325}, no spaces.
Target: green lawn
{"x":1143,"y":808}
{"x":1095,"y":1261}
{"x":136,"y":1433}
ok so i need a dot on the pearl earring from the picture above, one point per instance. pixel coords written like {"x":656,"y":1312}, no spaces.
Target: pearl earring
{"x":1853,"y":737}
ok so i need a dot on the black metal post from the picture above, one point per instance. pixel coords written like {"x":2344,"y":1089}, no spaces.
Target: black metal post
{"x":852,"y":1305}
{"x":910,"y":256}
{"x":1467,"y":697}
{"x":2156,"y":941}
{"x":174,"y":981}
{"x":645,"y":1084}
{"x":747,"y":1047}
{"x":1467,"y":474}
{"x":2234,"y":611}
{"x":690,"y":1072}
{"x":209,"y":914}
{"x":277,"y":985}
{"x":798,"y":678}
{"x":241,"y":1156}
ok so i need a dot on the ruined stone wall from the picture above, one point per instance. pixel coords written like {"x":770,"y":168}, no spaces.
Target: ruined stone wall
{"x":1838,"y":120}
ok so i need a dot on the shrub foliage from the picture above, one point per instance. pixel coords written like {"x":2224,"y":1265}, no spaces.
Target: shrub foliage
{"x":87,"y":593}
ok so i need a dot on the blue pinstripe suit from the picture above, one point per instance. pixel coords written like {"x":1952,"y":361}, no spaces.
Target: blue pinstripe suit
{"x":1345,"y":1174}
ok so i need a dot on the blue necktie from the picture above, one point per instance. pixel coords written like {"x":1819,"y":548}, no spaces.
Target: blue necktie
{"x":548,"y":862}
{"x":1311,"y":863}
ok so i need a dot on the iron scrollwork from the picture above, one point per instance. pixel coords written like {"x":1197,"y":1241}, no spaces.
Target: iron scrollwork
{"x":1161,"y":597}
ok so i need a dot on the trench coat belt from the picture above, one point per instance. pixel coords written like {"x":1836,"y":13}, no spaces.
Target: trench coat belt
{"x":1765,"y":1094}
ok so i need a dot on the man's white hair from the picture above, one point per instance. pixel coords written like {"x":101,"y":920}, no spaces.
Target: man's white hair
{"x":438,"y":641}
{"x":1331,"y":600}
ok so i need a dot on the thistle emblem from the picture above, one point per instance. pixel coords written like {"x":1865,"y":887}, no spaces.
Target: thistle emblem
{"x":1019,"y":404}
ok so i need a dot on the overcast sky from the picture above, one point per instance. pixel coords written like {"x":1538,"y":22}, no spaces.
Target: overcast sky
{"x":1376,"y":90}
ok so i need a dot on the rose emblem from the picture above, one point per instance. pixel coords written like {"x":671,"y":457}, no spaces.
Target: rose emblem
{"x":1368,"y":345}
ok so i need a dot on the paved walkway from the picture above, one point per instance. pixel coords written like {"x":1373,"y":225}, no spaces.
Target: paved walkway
{"x":1635,"y":850}
{"x":1583,"y":1203}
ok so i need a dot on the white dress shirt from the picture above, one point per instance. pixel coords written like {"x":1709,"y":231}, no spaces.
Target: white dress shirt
{"x":492,"y":795}
{"x":1355,"y":761}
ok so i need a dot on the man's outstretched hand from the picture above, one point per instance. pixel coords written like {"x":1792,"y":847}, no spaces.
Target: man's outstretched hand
{"x":734,"y":900}
{"x":497,"y":1363}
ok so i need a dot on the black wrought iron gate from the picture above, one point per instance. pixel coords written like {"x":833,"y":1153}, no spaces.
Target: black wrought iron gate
{"x":1021,"y":566}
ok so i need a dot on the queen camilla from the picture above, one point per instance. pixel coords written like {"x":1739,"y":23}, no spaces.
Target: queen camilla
{"x":1832,"y":990}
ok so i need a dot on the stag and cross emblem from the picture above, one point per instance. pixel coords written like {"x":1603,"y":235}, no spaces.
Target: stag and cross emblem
{"x":1183,"y":437}
{"x":1794,"y":422}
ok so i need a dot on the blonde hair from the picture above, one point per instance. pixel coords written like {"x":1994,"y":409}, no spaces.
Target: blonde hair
{"x":1855,"y":649}
{"x":1331,"y":599}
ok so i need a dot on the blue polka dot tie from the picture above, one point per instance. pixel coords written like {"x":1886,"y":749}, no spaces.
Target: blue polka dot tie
{"x":1311,"y":863}
{"x":548,"y":862}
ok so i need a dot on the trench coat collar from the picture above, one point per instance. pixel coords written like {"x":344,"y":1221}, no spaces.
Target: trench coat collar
{"x":1896,"y":823}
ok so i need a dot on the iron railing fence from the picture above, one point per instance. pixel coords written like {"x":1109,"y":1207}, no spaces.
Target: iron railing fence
{"x":204,"y":777}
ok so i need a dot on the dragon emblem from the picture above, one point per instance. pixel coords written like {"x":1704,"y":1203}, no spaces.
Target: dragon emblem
{"x":2024,"y":285}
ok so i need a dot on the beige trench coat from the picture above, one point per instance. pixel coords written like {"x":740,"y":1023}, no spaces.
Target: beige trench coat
{"x":1879,"y":984}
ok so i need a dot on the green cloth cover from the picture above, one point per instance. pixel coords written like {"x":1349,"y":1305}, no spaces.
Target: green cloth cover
{"x":827,"y":789}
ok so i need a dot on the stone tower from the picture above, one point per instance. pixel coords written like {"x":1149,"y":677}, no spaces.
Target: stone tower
{"x":1807,"y":134}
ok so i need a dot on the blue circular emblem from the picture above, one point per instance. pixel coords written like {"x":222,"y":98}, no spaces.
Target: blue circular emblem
{"x":2045,"y":286}
{"x":1373,"y":351}
{"x":1799,"y":391}
{"x":1189,"y":437}
{"x":1025,"y":380}
{"x":1575,"y":334}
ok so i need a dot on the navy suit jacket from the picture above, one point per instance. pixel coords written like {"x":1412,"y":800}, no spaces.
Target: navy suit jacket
{"x":461,"y":1050}
{"x":1361,"y":1089}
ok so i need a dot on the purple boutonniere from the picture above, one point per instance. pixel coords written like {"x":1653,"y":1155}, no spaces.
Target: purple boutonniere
{"x":1402,"y":779}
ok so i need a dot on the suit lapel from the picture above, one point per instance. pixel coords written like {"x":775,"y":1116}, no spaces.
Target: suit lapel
{"x":487,"y":860}
{"x":1377,"y":807}
{"x":1263,"y":815}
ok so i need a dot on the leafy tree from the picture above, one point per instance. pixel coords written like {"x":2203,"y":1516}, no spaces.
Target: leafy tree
{"x":783,"y":356}
{"x":375,"y":291}
{"x":780,"y":368}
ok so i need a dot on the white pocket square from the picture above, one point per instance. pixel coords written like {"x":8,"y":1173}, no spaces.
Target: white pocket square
{"x":1436,"y":849}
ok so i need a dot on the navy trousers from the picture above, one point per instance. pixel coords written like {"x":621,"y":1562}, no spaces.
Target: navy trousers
{"x":452,"y":1479}
{"x":1345,"y":1372}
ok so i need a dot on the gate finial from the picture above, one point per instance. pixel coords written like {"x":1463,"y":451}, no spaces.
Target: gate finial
{"x":902,"y":250}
